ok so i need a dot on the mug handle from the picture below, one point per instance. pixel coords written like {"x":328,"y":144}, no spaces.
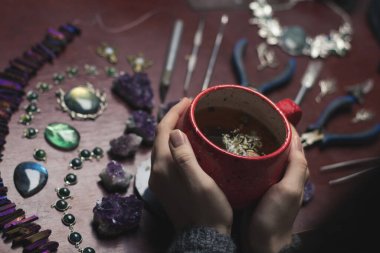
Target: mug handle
{"x":291,"y":110}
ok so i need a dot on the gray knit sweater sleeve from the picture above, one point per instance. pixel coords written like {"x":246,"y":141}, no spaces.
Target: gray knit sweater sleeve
{"x":202,"y":240}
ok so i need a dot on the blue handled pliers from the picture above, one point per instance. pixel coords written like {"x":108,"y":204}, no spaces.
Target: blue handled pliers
{"x":316,"y":134}
{"x":279,"y":81}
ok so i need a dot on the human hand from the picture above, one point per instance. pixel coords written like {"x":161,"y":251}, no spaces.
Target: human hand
{"x":270,"y":225}
{"x":189,"y":196}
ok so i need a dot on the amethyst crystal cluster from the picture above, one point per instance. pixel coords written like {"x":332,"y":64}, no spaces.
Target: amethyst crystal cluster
{"x":125,"y":146}
{"x":135,"y":90}
{"x":114,"y":178}
{"x":143,"y":124}
{"x":116,"y":214}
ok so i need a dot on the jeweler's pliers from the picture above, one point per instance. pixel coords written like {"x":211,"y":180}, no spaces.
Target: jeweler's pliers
{"x":315,"y":133}
{"x":279,"y":81}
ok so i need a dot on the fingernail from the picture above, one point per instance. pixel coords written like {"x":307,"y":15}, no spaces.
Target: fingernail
{"x":176,"y":138}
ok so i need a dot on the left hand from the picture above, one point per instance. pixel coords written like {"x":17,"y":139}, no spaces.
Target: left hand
{"x":189,"y":196}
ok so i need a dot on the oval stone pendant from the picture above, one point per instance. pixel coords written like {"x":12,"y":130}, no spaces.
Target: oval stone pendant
{"x":82,"y":102}
{"x":62,"y":136}
{"x":293,"y":40}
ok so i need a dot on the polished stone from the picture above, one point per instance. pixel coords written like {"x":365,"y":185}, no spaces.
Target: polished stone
{"x":82,"y":99}
{"x":62,"y":136}
{"x":30,"y":178}
{"x":293,"y":40}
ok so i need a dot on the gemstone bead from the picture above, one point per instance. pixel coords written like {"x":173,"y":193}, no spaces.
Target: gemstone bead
{"x":40,"y":155}
{"x":61,"y":205}
{"x":76,"y":164}
{"x":30,"y":132}
{"x":75,"y":238}
{"x":32,"y":108}
{"x":97,"y":152}
{"x":70,"y":179}
{"x":32,"y":95}
{"x":111,"y":71}
{"x":58,"y":78}
{"x":72,"y":71}
{"x":43,"y":87}
{"x":62,"y":136}
{"x":25,"y":119}
{"x":68,"y":219}
{"x":29,"y":178}
{"x":63,"y":192}
{"x":85,"y":154}
{"x":88,"y":250}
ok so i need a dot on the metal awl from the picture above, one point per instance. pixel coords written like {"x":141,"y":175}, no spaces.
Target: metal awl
{"x":215,"y":50}
{"x":308,"y":80}
{"x":170,"y":59}
{"x":194,"y":55}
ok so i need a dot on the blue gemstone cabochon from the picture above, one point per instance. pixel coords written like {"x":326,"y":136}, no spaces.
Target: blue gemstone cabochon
{"x":29,"y":178}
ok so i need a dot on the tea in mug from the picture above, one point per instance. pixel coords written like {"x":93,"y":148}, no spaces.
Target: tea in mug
{"x":236,"y":131}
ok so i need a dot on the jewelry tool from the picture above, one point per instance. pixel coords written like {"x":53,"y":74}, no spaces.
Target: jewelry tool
{"x":278,"y":81}
{"x":194,"y":55}
{"x":316,"y":134}
{"x":170,"y":59}
{"x":345,"y":164}
{"x":308,"y":79}
{"x":215,"y":50}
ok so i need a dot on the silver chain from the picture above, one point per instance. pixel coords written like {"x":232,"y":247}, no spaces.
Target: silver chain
{"x":294,"y":40}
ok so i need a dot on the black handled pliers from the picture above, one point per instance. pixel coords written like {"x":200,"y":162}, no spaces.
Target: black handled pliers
{"x":279,"y":81}
{"x":315,"y":133}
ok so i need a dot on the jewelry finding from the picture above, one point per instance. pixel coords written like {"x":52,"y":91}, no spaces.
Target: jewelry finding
{"x":327,"y":86}
{"x":30,"y":133}
{"x":107,"y":52}
{"x":267,"y":58}
{"x":363,"y":115}
{"x":139,"y":63}
{"x":82,"y":102}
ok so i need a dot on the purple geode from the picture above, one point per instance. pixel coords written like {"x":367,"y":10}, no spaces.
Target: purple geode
{"x":125,"y":146}
{"x":135,"y":90}
{"x":309,"y":190}
{"x":142,"y":124}
{"x":116,"y":214}
{"x":114,"y":178}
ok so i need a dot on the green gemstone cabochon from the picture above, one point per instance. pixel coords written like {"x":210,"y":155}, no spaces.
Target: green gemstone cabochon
{"x":62,"y":136}
{"x":82,"y":100}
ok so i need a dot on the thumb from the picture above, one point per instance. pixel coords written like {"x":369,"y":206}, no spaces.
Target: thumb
{"x":184,"y":156}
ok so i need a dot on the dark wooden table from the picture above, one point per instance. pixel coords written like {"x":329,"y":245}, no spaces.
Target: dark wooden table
{"x":24,"y":23}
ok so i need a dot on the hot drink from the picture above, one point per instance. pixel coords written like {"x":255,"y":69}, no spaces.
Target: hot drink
{"x":236,"y":131}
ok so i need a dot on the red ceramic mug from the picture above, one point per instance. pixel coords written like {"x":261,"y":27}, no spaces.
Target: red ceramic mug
{"x":243,"y":179}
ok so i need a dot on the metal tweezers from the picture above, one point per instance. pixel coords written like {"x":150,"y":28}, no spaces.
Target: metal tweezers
{"x":373,"y":161}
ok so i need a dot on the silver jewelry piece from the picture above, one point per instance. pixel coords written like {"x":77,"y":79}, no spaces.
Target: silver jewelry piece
{"x":327,"y":86}
{"x":267,"y":58}
{"x":362,"y":115}
{"x":294,"y":40}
